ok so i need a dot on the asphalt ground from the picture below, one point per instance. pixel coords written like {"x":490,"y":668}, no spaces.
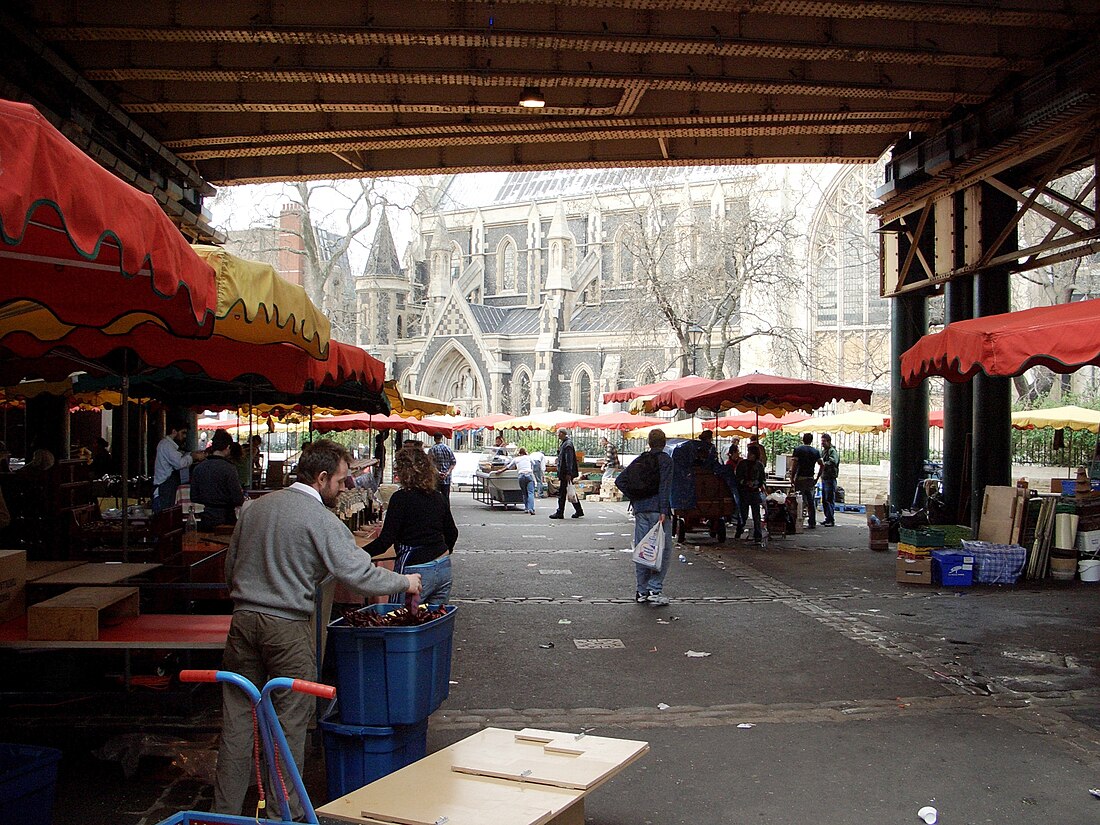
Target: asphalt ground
{"x":830,"y":693}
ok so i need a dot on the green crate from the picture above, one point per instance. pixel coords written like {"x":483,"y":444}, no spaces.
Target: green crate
{"x":955,"y":534}
{"x":924,"y":537}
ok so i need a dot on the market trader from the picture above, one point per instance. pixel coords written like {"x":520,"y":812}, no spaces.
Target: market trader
{"x":285,"y":543}
{"x":805,"y":474}
{"x":169,"y":462}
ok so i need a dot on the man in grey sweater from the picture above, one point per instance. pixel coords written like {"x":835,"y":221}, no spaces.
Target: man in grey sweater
{"x":285,"y":543}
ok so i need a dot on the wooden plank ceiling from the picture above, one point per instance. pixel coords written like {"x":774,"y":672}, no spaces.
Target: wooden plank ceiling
{"x":261,"y":90}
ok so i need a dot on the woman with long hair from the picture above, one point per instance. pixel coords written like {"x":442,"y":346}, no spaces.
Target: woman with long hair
{"x":419,"y":526}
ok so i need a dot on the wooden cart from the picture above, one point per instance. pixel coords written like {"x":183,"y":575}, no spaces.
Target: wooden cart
{"x":713,"y":505}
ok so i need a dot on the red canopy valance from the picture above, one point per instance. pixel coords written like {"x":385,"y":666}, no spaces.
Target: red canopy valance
{"x":86,"y":244}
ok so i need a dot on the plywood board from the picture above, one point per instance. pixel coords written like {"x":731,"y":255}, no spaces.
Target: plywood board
{"x":98,"y":573}
{"x":76,"y":614}
{"x":428,"y":791}
{"x":545,"y":757}
{"x":998,"y":511}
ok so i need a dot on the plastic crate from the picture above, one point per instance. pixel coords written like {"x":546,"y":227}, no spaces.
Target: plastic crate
{"x":926,"y":537}
{"x":952,"y":569}
{"x":391,"y":675}
{"x":356,"y":755}
{"x":28,"y":780}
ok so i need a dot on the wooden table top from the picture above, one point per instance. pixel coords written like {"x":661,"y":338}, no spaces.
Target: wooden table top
{"x":151,"y":632}
{"x":93,"y":573}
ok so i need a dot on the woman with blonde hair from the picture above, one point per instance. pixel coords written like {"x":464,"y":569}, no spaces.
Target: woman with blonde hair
{"x":419,"y":526}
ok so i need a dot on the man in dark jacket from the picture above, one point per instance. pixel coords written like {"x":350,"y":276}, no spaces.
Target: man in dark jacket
{"x":567,"y":472}
{"x":216,"y":486}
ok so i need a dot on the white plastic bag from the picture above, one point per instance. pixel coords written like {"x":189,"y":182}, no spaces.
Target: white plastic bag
{"x":571,"y":493}
{"x":650,"y":551}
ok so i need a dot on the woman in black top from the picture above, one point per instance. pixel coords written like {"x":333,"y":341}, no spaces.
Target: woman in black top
{"x":419,"y":526}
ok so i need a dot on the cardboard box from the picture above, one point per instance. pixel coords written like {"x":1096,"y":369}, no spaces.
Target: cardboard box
{"x":13,"y":584}
{"x":1088,"y":542}
{"x":909,"y":571}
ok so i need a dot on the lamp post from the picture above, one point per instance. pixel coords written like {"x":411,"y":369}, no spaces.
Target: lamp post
{"x":695,"y":334}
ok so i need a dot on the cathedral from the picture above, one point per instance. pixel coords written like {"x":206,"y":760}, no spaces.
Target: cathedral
{"x":525,"y":292}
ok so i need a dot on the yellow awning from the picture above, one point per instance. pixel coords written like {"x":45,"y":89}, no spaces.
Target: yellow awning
{"x":548,"y":421}
{"x":687,"y":428}
{"x":855,"y":421}
{"x":257,"y":305}
{"x":414,"y":406}
{"x":1069,"y":418}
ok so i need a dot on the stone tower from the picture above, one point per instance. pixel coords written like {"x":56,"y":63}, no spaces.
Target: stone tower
{"x":384,"y":293}
{"x":552,"y":320}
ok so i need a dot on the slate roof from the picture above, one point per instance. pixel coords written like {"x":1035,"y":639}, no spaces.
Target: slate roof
{"x":606,"y":317}
{"x":506,"y":321}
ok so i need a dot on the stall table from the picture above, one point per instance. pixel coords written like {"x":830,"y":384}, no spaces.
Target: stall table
{"x":498,"y":488}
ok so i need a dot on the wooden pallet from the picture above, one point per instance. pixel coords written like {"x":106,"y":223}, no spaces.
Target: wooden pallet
{"x":76,"y":615}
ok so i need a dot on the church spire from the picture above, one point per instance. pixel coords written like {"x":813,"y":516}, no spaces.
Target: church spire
{"x":383,"y":258}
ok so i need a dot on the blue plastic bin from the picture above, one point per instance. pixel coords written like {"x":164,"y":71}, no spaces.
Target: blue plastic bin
{"x":356,"y":755}
{"x":389,"y":676}
{"x":952,"y":569}
{"x":28,"y":780}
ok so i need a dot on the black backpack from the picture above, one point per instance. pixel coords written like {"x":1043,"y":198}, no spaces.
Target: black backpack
{"x":641,"y":478}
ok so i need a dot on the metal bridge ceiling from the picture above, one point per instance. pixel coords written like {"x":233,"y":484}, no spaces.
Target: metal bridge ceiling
{"x":260,"y":90}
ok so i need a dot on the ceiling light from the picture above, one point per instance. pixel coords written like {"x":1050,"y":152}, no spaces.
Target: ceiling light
{"x":532,"y":98}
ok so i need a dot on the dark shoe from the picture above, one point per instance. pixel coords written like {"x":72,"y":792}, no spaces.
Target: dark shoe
{"x":811,"y":526}
{"x":577,"y":514}
{"x":828,"y":524}
{"x":556,"y":515}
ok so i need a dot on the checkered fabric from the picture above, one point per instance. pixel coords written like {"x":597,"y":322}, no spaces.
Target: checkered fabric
{"x":995,"y":563}
{"x":442,"y":456}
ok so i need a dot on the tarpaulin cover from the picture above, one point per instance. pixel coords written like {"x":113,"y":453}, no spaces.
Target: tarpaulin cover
{"x":1062,"y":338}
{"x":86,"y":244}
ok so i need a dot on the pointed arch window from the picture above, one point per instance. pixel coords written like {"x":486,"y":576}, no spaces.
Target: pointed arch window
{"x":583,"y":395}
{"x":508,"y":265}
{"x":456,"y":263}
{"x":521,"y":393}
{"x":646,"y":376}
{"x":625,"y":258}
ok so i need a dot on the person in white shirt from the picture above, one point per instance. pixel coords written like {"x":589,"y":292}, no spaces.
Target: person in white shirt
{"x":170,"y":460}
{"x":523,"y":464}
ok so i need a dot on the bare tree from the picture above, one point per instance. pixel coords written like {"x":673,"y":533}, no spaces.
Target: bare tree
{"x":694,"y":270}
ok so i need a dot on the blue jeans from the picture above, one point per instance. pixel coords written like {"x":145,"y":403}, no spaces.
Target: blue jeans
{"x":828,"y":497}
{"x":435,"y":579}
{"x":650,"y":580}
{"x":527,"y":487}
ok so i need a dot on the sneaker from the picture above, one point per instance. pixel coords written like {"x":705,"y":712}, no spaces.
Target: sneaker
{"x":658,"y":599}
{"x":828,"y":524}
{"x":556,"y":515}
{"x":641,"y":598}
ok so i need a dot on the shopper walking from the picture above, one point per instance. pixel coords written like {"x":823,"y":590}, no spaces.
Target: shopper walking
{"x":567,"y":472}
{"x":656,"y":509}
{"x":444,"y":460}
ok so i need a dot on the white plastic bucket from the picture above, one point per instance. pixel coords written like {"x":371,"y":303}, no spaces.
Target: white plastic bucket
{"x":1089,"y":570}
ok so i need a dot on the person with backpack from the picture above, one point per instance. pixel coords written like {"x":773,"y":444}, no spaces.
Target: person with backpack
{"x":647,"y":482}
{"x":751,"y":485}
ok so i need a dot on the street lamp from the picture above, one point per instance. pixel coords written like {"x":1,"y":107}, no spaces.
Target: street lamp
{"x":695,"y":335}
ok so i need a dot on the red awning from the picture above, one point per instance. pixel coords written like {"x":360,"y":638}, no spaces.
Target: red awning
{"x":630,"y":393}
{"x":359,"y":421}
{"x":286,"y":367}
{"x":759,"y":393}
{"x":86,"y":244}
{"x":1063,"y":338}
{"x":613,"y":421}
{"x":751,"y":420}
{"x":481,"y":421}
